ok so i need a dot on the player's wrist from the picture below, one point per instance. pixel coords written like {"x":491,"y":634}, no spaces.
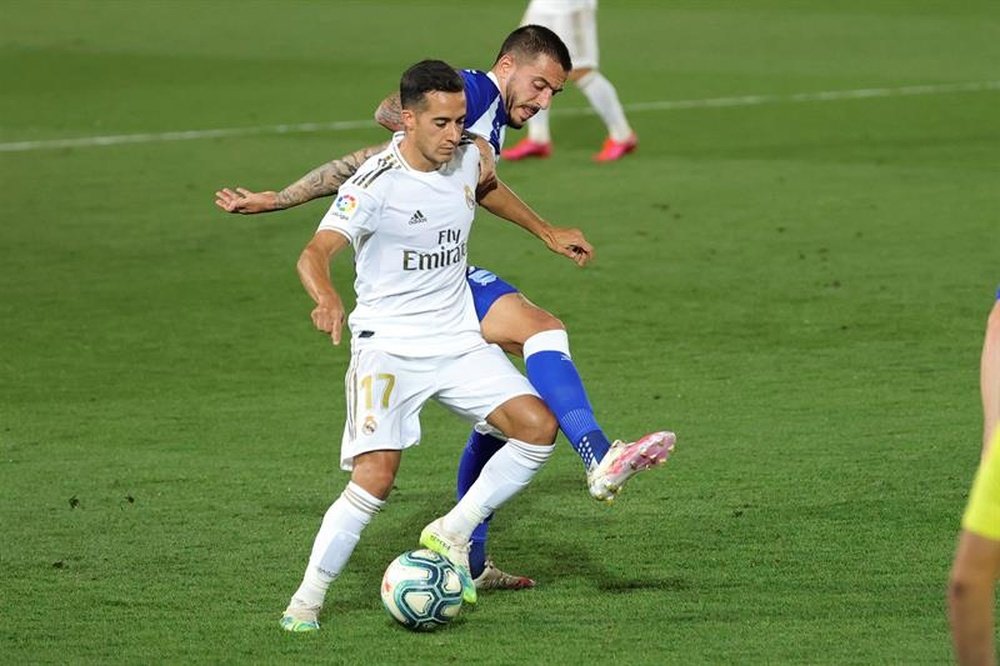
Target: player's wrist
{"x":546,"y":232}
{"x":330,"y":301}
{"x":275,"y":200}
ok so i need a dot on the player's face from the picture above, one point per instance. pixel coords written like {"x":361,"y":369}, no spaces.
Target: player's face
{"x":530,"y":86}
{"x":436,"y":127}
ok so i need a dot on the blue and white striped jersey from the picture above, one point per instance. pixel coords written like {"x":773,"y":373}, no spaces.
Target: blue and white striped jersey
{"x":485,"y":114}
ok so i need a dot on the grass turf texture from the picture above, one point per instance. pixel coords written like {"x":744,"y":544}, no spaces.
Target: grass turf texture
{"x":798,"y":289}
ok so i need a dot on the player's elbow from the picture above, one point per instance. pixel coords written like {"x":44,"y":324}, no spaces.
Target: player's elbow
{"x":387,"y":117}
{"x":307,"y":262}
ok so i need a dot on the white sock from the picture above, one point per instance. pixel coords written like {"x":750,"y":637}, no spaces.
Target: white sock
{"x":604,"y":99}
{"x":538,"y":127}
{"x":508,"y":471}
{"x":337,"y":537}
{"x":554,"y":340}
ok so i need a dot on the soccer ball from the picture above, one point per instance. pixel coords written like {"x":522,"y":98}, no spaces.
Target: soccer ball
{"x":422,"y":590}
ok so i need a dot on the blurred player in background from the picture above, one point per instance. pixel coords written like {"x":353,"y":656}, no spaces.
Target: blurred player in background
{"x":531,"y":67}
{"x":575,"y":21}
{"x":972,"y":589}
{"x":415,"y":336}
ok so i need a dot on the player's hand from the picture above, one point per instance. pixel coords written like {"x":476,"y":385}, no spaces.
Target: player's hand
{"x":245,"y":202}
{"x":328,"y":317}
{"x":570,"y":243}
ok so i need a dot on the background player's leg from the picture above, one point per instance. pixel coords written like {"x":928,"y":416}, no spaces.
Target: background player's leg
{"x":538,"y":143}
{"x":604,"y":98}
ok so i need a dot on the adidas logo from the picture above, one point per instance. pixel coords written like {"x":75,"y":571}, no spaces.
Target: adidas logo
{"x":418,"y":218}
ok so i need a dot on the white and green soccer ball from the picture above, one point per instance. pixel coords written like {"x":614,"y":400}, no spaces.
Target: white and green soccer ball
{"x":422,"y":590}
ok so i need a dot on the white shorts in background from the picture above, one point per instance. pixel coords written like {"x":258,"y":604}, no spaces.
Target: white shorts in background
{"x":385,"y":394}
{"x":577,"y":27}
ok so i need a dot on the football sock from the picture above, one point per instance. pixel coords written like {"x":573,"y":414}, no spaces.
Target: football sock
{"x":337,"y":537}
{"x":477,"y":551}
{"x":478,"y":450}
{"x":553,"y":374}
{"x":538,"y":127}
{"x":604,"y":98}
{"x":506,"y":473}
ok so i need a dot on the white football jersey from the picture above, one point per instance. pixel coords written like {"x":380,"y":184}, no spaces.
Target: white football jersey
{"x":410,"y":232}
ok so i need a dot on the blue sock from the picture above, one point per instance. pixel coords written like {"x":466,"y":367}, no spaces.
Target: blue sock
{"x":477,"y":553}
{"x":478,"y":450}
{"x":553,"y":374}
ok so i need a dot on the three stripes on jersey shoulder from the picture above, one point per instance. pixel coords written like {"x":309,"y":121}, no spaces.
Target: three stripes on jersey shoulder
{"x":383,"y":165}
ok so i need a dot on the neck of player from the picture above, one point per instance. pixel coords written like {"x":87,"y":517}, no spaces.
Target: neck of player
{"x":415,"y":158}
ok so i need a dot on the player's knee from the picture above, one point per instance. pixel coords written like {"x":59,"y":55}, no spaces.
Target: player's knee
{"x":374,"y":476}
{"x":967,"y":579}
{"x":537,"y":424}
{"x":542,"y":320}
{"x":959,"y":586}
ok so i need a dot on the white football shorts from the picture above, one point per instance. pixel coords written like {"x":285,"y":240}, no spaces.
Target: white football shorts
{"x":576,"y":27}
{"x":386,"y":392}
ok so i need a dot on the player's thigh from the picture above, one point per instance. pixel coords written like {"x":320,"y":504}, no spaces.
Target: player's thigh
{"x":976,"y":558}
{"x":487,"y":288}
{"x":475,"y":384}
{"x":384,"y":396}
{"x":577,"y":29}
{"x":513,"y":319}
{"x":506,"y":317}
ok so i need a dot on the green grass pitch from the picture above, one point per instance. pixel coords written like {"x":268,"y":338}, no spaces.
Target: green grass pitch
{"x":798,"y":288}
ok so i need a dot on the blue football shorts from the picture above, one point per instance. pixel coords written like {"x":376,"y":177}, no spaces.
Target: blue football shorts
{"x":486,"y":288}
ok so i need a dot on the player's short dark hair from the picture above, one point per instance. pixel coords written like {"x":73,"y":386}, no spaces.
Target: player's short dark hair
{"x":536,"y":40}
{"x":428,"y":76}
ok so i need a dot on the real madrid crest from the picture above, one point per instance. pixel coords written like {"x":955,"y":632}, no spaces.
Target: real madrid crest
{"x":369,"y":426}
{"x":470,"y":198}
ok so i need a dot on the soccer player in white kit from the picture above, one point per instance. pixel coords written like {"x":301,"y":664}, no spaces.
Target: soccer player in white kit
{"x":415,"y":335}
{"x":575,"y":21}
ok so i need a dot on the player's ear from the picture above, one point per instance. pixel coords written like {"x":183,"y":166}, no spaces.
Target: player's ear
{"x":506,"y":64}
{"x":409,"y":119}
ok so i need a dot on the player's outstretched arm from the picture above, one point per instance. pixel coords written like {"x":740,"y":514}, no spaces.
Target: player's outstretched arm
{"x":322,"y":181}
{"x":314,"y":272}
{"x":989,"y":377}
{"x":571,"y":243}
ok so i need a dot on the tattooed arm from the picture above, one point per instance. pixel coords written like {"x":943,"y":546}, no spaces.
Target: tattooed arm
{"x":389,"y":113}
{"x":322,"y":181}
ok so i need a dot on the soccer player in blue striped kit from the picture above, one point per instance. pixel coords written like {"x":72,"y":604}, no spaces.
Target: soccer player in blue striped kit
{"x":532,"y":66}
